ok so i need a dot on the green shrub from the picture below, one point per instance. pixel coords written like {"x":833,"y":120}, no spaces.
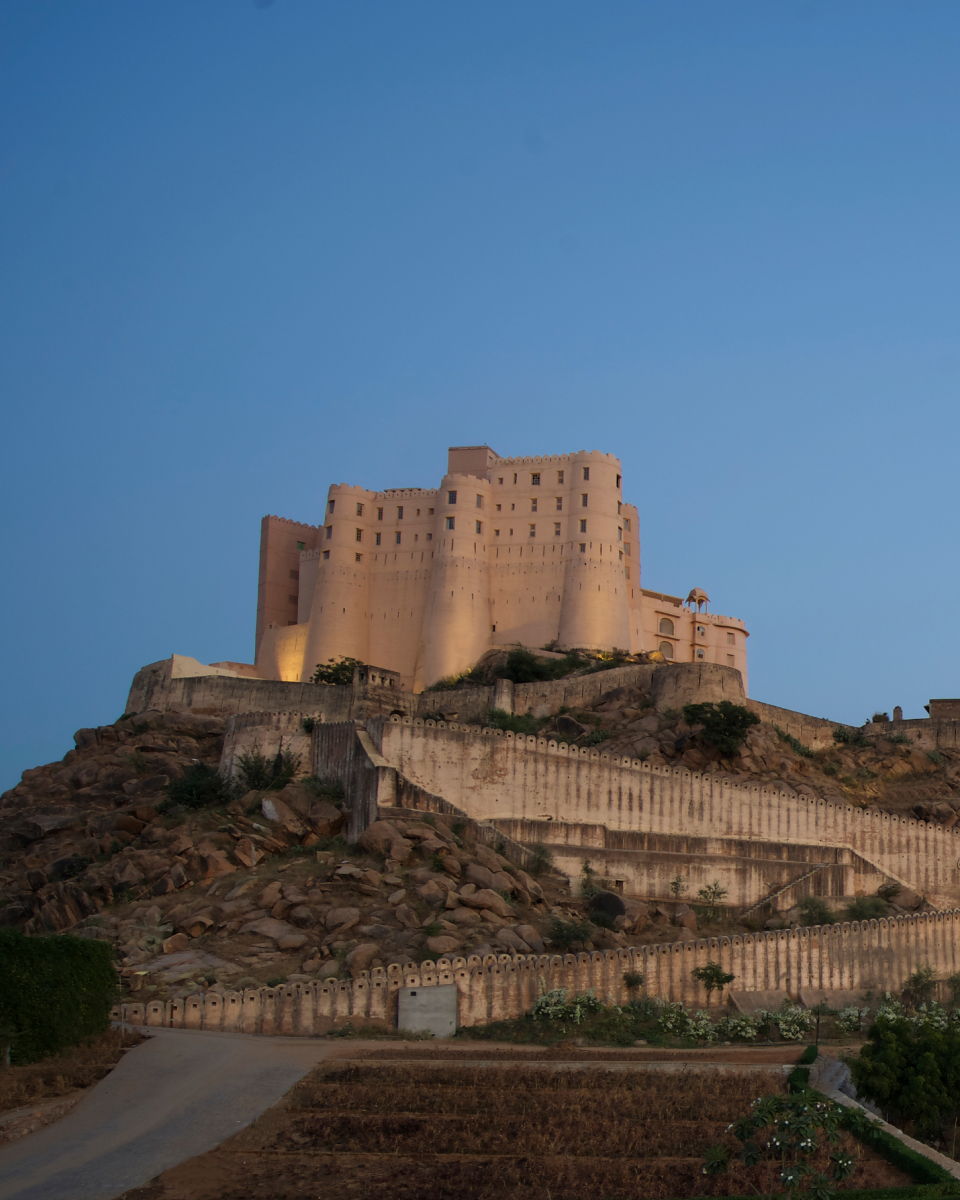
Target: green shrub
{"x":725,"y":725}
{"x":899,"y":739}
{"x":564,"y":933}
{"x":850,"y":737}
{"x":866,"y":908}
{"x":809,"y":1055}
{"x":603,"y":919}
{"x":541,"y":859}
{"x":936,"y":757}
{"x":633,"y":980}
{"x":201,"y":787}
{"x":336,"y":671}
{"x":815,"y":911}
{"x":434,"y":929}
{"x":258,"y":773}
{"x":514,"y":723}
{"x":598,"y":736}
{"x":54,"y":992}
{"x":713,"y":977}
{"x":523,"y":666}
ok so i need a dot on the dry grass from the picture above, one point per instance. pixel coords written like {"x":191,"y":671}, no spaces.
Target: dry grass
{"x":76,"y":1068}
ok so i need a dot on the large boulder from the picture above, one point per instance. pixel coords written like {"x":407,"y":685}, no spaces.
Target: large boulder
{"x":531,"y":937}
{"x":607,"y":902}
{"x":378,"y":837}
{"x":336,"y":917}
{"x":485,"y":898}
{"x":442,"y":944}
{"x":481,"y":876}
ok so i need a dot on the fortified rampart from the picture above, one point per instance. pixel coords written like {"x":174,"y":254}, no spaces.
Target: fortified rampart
{"x":867,"y":956}
{"x":492,"y":775}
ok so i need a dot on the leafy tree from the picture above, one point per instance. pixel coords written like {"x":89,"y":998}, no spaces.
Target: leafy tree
{"x":713,"y":977}
{"x":336,"y":671}
{"x":712,"y":895}
{"x":725,"y":725}
{"x":785,"y":1134}
{"x":542,"y":859}
{"x":258,"y":773}
{"x":911,"y":1071}
{"x":919,"y":986}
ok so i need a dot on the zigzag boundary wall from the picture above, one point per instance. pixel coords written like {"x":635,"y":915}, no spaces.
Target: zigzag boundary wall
{"x":490,"y":774}
{"x":868,"y":956}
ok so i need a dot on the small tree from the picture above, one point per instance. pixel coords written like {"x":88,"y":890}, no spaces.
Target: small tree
{"x":542,"y":859}
{"x":919,"y":986}
{"x":712,"y":895}
{"x":725,"y":725}
{"x":336,"y":671}
{"x":565,"y":933}
{"x":713,"y":977}
{"x":678,"y":886}
{"x":588,"y":883}
{"x":786,"y":1134}
{"x":633,"y":981}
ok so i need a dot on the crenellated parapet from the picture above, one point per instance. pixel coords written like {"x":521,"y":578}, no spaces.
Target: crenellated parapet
{"x":875,"y":955}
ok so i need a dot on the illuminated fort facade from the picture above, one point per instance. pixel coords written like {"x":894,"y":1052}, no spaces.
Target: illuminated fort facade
{"x":421,"y":582}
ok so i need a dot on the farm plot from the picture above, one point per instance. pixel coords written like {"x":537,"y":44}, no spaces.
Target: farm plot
{"x":507,"y":1130}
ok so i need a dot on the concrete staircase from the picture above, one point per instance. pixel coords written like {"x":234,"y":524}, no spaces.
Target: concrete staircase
{"x":780,"y":891}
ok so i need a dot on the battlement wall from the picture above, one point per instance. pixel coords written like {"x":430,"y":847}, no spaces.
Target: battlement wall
{"x":867,"y":956}
{"x":491,"y":774}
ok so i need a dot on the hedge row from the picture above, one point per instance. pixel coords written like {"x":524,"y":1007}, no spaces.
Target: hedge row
{"x":54,"y":992}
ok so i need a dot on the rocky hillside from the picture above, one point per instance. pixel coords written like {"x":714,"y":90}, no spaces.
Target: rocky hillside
{"x":892,"y":775}
{"x":261,"y":887}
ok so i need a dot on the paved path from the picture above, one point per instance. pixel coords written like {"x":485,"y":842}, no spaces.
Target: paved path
{"x":178,"y":1094}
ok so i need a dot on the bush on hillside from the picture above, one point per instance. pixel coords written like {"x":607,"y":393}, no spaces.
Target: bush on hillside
{"x":725,"y":725}
{"x":523,"y":666}
{"x":201,"y":787}
{"x":54,"y":992}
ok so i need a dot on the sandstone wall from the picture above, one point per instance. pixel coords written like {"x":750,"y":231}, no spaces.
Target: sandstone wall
{"x":263,"y":732}
{"x":493,"y":775}
{"x":868,"y":956}
{"x":814,"y":732}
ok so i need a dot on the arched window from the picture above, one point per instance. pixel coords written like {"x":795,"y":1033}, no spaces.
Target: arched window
{"x":666,"y":626}
{"x":666,"y":649}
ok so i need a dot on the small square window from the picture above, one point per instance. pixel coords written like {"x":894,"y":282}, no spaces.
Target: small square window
{"x":396,"y":537}
{"x":731,"y":639}
{"x":619,"y":507}
{"x":294,"y":574}
{"x":619,"y":535}
{"x":700,"y":652}
{"x":359,"y":535}
{"x":358,"y":557}
{"x":514,"y":477}
{"x":451,"y":497}
{"x":429,"y":512}
{"x":479,"y":527}
{"x":535,"y":479}
{"x":301,"y":546}
{"x":511,"y":533}
{"x":626,"y":525}
{"x":626,"y":546}
{"x":621,"y":556}
{"x":359,"y":510}
{"x":500,"y":479}
{"x":586,"y":472}
{"x":559,"y":477}
{"x":533,"y":506}
{"x":379,"y":514}
{"x":559,"y":504}
{"x":294,"y":599}
{"x":618,"y":481}
{"x":418,"y":512}
{"x":496,"y":533}
{"x":498,"y":508}
{"x":533,"y":531}
{"x":399,"y":512}
{"x":449,"y":522}
{"x":429,"y":537}
{"x":376,"y":539}
{"x":326,"y":554}
{"x":329,"y":532}
{"x":330,"y":504}
{"x":583,"y":547}
{"x":556,"y":529}
{"x":583,"y":527}
{"x":479,"y":502}
{"x":731,"y":661}
{"x":583,"y":500}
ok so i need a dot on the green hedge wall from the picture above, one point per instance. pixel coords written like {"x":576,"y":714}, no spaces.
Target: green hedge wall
{"x":54,"y":992}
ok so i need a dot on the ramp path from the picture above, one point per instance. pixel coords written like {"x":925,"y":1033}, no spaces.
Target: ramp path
{"x":178,"y":1094}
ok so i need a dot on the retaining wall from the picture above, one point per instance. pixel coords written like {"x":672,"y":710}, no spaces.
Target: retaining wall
{"x":868,"y":956}
{"x":493,"y":775}
{"x":263,"y":731}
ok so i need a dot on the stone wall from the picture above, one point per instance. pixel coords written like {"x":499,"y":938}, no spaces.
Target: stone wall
{"x":814,"y":732}
{"x":493,"y":775}
{"x":264,"y":732}
{"x":873,"y":956}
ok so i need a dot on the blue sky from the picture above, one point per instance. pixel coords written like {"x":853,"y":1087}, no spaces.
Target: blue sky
{"x":250,"y":249}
